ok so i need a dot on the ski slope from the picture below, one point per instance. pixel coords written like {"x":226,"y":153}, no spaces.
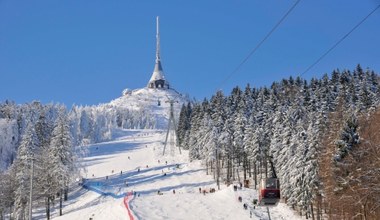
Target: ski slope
{"x":110,"y":166}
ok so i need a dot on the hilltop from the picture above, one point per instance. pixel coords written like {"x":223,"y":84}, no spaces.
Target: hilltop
{"x":154,"y":101}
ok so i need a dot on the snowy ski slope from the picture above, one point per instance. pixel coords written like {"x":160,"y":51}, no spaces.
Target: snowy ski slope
{"x":133,"y":162}
{"x":131,"y":150}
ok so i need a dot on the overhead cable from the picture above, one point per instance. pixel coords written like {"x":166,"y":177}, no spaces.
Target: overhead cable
{"x":340,"y":40}
{"x":261,"y":42}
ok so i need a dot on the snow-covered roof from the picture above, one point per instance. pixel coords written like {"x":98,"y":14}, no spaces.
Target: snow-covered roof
{"x":158,"y":73}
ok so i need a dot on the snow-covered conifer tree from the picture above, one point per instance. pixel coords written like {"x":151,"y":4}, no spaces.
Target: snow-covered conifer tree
{"x":22,"y":170}
{"x":61,"y":153}
{"x":7,"y":190}
{"x":183,"y":124}
{"x":349,"y":137}
{"x":8,"y":142}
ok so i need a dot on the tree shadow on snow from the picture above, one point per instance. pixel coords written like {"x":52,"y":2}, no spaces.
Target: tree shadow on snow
{"x":170,"y":188}
{"x":115,"y":185}
{"x":114,"y":147}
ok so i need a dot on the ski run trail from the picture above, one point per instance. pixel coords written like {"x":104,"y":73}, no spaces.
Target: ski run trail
{"x":134,"y":162}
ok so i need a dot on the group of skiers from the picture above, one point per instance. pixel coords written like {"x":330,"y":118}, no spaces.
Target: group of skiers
{"x":166,"y":162}
{"x":160,"y":193}
{"x":240,"y":186}
{"x":112,"y":171}
{"x":245,"y":205}
{"x":204,"y":191}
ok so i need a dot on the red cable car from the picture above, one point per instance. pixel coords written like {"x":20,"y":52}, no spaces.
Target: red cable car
{"x":269,"y":188}
{"x":269,"y":191}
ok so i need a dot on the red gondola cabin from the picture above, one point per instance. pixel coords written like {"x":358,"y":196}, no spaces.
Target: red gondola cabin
{"x":269,"y":191}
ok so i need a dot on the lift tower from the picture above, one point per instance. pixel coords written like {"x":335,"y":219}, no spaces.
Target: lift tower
{"x":172,"y":126}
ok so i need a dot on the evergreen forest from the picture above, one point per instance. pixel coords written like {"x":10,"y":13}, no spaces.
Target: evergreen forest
{"x":322,"y":136}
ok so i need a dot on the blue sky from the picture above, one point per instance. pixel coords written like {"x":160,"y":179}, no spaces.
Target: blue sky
{"x":87,"y":52}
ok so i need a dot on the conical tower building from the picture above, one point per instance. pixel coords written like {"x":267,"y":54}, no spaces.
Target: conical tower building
{"x":157,"y":80}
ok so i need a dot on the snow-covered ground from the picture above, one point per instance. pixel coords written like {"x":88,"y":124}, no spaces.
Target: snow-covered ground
{"x":155,"y":101}
{"x":135,"y":158}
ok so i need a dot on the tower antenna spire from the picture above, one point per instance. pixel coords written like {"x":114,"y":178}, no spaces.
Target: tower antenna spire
{"x":157,"y":80}
{"x":158,"y":38}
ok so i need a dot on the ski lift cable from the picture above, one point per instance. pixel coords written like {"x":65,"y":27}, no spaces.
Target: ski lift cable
{"x":259,"y":44}
{"x":340,"y":40}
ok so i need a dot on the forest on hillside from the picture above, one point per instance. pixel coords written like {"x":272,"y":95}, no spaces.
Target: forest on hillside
{"x":53,"y":138}
{"x":87,"y":124}
{"x":322,"y":136}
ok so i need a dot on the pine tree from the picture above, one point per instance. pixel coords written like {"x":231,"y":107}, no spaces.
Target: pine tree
{"x":62,"y":154}
{"x":86,"y":126}
{"x":7,"y":190}
{"x":8,"y":142}
{"x":196,"y":123}
{"x":22,"y":170}
{"x":349,"y":137}
{"x":184,"y":125}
